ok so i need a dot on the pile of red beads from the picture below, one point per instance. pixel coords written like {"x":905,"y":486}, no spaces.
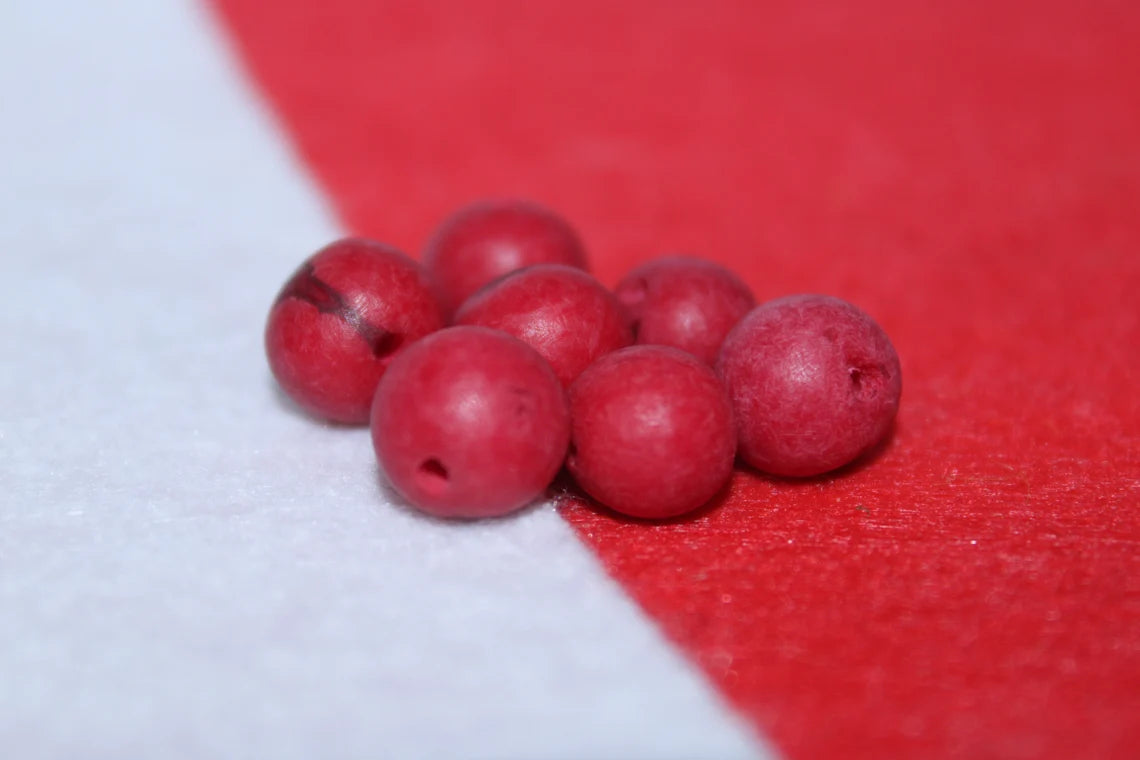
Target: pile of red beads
{"x":500,"y":359}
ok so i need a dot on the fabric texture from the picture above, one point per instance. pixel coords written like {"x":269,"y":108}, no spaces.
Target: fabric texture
{"x":189,"y":568}
{"x":968,"y":173}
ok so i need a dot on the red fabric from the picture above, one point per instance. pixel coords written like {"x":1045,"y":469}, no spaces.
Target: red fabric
{"x":969,"y":173}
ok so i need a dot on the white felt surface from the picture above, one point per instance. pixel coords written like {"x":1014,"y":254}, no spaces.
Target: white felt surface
{"x":187,"y":567}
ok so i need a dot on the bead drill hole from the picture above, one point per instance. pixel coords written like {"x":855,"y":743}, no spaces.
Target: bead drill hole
{"x":432,"y":476}
{"x":524,"y":401}
{"x":866,"y":381}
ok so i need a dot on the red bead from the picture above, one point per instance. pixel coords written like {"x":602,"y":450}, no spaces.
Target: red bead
{"x":651,"y":433}
{"x":687,"y":303}
{"x":488,"y":239}
{"x":563,"y":313}
{"x":470,"y":422}
{"x":814,"y":382}
{"x":340,"y":319}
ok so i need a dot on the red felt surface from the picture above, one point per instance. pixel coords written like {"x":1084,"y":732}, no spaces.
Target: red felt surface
{"x":969,"y":173}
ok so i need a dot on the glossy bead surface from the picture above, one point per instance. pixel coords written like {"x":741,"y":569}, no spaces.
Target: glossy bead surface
{"x":814,"y":382}
{"x":562,"y":312}
{"x":339,"y":320}
{"x":684,"y":302}
{"x":488,"y":239}
{"x":470,"y":422}
{"x":652,"y":432}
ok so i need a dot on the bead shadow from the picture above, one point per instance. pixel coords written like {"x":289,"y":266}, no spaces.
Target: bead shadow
{"x":289,"y":406}
{"x":860,"y":463}
{"x":568,"y":495}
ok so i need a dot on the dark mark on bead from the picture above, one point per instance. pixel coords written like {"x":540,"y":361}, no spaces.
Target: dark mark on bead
{"x":306,"y":286}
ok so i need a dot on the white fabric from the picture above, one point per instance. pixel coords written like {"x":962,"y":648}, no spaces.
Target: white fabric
{"x":187,"y":567}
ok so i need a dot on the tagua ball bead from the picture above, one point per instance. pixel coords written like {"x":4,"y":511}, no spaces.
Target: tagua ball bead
{"x":470,"y":422}
{"x":488,"y":239}
{"x":684,"y":302}
{"x":339,"y":321}
{"x":814,"y":382}
{"x":652,"y":434}
{"x":566,"y":315}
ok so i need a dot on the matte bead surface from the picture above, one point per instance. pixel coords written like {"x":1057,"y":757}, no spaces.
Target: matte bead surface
{"x":470,"y":422}
{"x":340,"y":319}
{"x":684,"y":302}
{"x":652,"y":432}
{"x":563,"y":313}
{"x":486,"y":240}
{"x":814,"y":382}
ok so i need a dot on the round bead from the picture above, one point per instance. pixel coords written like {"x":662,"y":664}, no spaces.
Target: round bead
{"x":814,"y":382}
{"x":340,"y":319}
{"x":470,"y":422}
{"x":652,"y":434}
{"x":488,"y":239}
{"x":684,"y":302}
{"x":563,"y":313}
